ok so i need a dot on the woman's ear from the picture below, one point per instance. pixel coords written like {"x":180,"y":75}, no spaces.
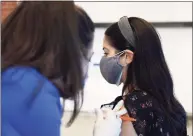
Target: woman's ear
{"x":128,"y":56}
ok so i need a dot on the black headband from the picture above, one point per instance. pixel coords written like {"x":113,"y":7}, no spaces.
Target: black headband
{"x":126,"y":30}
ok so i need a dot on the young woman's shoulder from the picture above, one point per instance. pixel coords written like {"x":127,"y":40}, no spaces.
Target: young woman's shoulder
{"x":145,"y":109}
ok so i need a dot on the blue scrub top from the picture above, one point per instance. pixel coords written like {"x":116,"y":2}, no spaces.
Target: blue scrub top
{"x":30,"y":104}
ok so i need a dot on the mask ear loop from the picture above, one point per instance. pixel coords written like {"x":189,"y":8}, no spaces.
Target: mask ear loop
{"x":119,"y":53}
{"x":125,"y":60}
{"x":118,"y":57}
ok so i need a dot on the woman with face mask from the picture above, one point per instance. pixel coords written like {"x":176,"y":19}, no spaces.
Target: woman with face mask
{"x":133,"y":56}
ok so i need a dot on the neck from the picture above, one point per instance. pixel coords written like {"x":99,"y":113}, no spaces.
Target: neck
{"x":130,"y":88}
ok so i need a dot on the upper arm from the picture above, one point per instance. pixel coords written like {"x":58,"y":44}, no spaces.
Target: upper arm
{"x":44,"y":115}
{"x":127,"y":129}
{"x":40,"y":123}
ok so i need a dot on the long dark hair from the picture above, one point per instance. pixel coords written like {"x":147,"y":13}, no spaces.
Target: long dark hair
{"x":44,"y":35}
{"x":148,"y":70}
{"x":86,"y":28}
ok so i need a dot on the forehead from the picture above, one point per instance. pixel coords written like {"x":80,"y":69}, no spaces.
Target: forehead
{"x":107,"y":45}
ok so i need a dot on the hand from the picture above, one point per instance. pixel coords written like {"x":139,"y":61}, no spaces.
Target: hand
{"x":127,"y":128}
{"x":122,"y":112}
{"x":107,"y":123}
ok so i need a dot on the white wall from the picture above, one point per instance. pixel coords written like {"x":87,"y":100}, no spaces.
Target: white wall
{"x":151,"y":11}
{"x":177,"y":46}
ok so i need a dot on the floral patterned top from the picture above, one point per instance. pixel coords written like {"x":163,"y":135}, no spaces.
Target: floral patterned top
{"x":150,"y":120}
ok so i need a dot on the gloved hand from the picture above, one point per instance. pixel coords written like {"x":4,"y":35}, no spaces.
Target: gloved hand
{"x":108,"y":122}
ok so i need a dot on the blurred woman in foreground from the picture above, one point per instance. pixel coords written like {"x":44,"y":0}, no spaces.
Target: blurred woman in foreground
{"x":40,"y":56}
{"x":41,"y":62}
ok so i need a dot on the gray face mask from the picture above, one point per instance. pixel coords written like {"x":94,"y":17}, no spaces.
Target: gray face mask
{"x":111,"y":69}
